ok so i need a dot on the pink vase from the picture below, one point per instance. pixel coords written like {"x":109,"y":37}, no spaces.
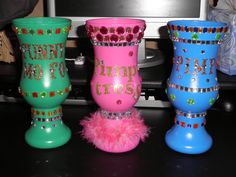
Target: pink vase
{"x":116,"y":85}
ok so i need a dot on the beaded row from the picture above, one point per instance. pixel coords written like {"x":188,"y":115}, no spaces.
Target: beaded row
{"x":195,"y":90}
{"x":47,"y":119}
{"x":44,"y":93}
{"x":189,"y":41}
{"x":110,"y":44}
{"x":184,"y":125}
{"x":116,"y":115}
{"x":197,"y":29}
{"x":41,"y":32}
{"x":189,"y":115}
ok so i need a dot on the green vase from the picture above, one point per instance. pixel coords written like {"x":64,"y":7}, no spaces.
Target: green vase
{"x":44,"y":80}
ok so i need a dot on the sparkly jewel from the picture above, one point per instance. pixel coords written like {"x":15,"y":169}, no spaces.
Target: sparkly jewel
{"x":176,"y":34}
{"x":65,"y":30}
{"x":24,"y":31}
{"x":114,"y":38}
{"x":40,"y":32}
{"x":99,"y":37}
{"x":49,"y":31}
{"x":129,"y":37}
{"x":131,"y":53}
{"x":194,"y":36}
{"x":58,"y":31}
{"x":120,"y":30}
{"x":66,"y":90}
{"x":140,"y":35}
{"x":59,"y":92}
{"x":136,"y":29}
{"x":212,"y":101}
{"x":35,"y":94}
{"x":43,"y":94}
{"x":193,"y":79}
{"x":118,"y":102}
{"x":52,"y":94}
{"x":103,"y":30}
{"x":190,"y":101}
{"x":183,"y":124}
{"x":172,"y":97}
{"x":31,"y":31}
{"x":218,"y":36}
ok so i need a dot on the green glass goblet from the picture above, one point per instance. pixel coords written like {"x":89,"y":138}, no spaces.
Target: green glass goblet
{"x":44,"y":80}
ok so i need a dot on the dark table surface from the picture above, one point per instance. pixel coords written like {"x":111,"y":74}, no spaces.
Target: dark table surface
{"x":78,"y":158}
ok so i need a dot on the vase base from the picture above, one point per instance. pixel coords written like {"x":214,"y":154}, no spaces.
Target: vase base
{"x":188,"y":142}
{"x":48,"y":138}
{"x":114,"y":136}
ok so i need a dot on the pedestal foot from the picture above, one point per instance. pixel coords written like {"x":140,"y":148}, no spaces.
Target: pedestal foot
{"x":47,"y":129}
{"x":115,"y":132}
{"x":189,"y":136}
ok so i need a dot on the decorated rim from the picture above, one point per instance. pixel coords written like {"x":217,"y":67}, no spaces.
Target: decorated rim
{"x":41,"y":25}
{"x":115,"y":30}
{"x":188,"y":31}
{"x":198,"y":26}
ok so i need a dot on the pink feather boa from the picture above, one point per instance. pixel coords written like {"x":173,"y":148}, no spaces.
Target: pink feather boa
{"x":114,"y":135}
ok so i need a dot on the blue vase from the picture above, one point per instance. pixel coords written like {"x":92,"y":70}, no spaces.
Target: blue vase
{"x":192,"y":87}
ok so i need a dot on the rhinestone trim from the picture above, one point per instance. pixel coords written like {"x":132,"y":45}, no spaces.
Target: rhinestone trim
{"x":118,"y":44}
{"x":197,"y":29}
{"x":190,"y":115}
{"x":47,"y":119}
{"x":195,"y":90}
{"x":116,"y":115}
{"x":189,"y":41}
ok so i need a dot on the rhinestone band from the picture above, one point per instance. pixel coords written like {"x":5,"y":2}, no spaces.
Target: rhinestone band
{"x":48,"y":119}
{"x":110,"y":44}
{"x":189,"y":115}
{"x":116,"y":115}
{"x":195,"y":90}
{"x":189,"y":41}
{"x":200,"y":30}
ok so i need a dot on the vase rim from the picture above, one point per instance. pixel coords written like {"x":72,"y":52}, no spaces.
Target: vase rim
{"x":28,"y":21}
{"x":115,"y":21}
{"x":197,"y":23}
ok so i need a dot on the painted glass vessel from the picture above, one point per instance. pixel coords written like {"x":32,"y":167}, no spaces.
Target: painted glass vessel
{"x":44,"y":80}
{"x":192,"y":87}
{"x":116,"y":84}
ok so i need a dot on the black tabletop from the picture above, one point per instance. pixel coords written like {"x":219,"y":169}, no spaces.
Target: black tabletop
{"x":78,"y":158}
